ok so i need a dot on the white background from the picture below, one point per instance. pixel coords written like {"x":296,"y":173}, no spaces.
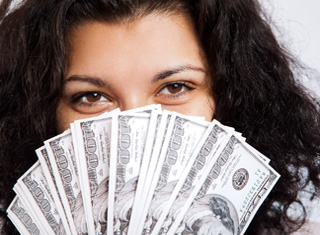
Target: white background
{"x":299,"y":22}
{"x":297,"y":25}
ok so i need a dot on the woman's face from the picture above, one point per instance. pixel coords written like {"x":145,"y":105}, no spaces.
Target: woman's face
{"x":156,"y":59}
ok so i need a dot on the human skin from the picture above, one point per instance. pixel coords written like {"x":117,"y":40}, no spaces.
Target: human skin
{"x":155,"y":59}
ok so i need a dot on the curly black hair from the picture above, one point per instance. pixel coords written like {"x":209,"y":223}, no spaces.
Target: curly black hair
{"x":252,"y":82}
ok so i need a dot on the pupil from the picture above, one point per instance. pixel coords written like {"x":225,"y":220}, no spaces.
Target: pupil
{"x":174,"y":88}
{"x":93,"y":97}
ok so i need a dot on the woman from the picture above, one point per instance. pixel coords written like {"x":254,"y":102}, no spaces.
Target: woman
{"x":66,"y":60}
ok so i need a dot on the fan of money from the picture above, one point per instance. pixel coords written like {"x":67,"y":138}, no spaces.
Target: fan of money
{"x":142,"y":171}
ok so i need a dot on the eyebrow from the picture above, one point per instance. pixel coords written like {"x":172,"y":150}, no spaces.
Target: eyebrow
{"x":159,"y":76}
{"x":93,"y":80}
{"x":167,"y":73}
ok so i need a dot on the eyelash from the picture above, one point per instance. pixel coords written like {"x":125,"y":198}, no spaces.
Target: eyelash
{"x":178,"y":94}
{"x":76,"y":99}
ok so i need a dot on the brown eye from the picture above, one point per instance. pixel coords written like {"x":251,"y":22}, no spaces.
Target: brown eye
{"x":175,"y":88}
{"x":91,"y":102}
{"x":93,"y":97}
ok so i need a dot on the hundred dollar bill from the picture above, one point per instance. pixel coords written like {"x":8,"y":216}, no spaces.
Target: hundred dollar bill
{"x":139,"y":196}
{"x":144,"y":109}
{"x":129,"y":132}
{"x":21,"y":218}
{"x":139,"y":212}
{"x":228,"y":194}
{"x":182,"y":137}
{"x":211,"y":141}
{"x":152,"y":133}
{"x":61,"y":155}
{"x":33,"y":189}
{"x":48,"y":173}
{"x":146,"y":172}
{"x":92,"y":138}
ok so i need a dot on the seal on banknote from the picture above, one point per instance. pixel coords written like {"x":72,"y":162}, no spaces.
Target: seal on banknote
{"x":240,"y":179}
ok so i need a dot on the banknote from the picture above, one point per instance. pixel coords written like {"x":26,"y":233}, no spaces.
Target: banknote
{"x":48,"y":173}
{"x":227,"y":196}
{"x":146,"y":173}
{"x":61,"y":155}
{"x":21,"y":218}
{"x":129,"y":132}
{"x":144,"y":109}
{"x":93,"y":144}
{"x":143,"y":171}
{"x":213,"y":139}
{"x":182,"y":136}
{"x":33,"y":189}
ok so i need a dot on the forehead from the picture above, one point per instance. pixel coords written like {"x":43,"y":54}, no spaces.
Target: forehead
{"x":151,"y":42}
